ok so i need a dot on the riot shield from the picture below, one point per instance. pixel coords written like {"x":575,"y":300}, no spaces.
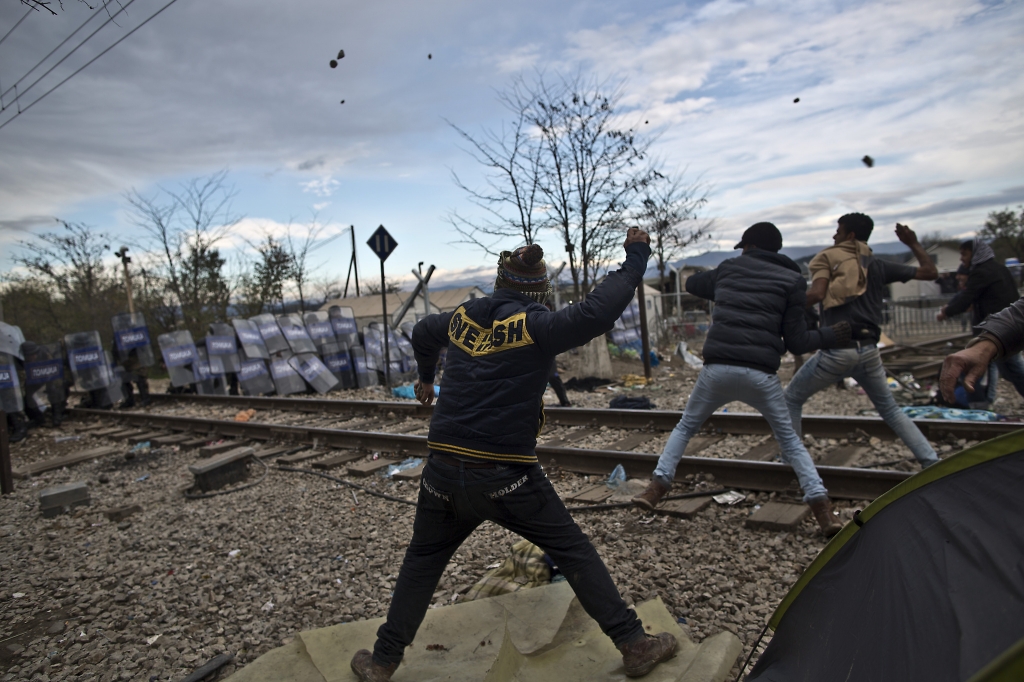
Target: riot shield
{"x":112,"y":393}
{"x":11,"y":339}
{"x":131,"y":339}
{"x":295,"y":331}
{"x":44,"y":371}
{"x":255,"y":378}
{"x":344,"y":322}
{"x":364,"y":375}
{"x":180,"y":354}
{"x":87,"y":360}
{"x":222,"y":349}
{"x":315,"y":372}
{"x":273,"y":339}
{"x":10,"y":387}
{"x":337,"y":360}
{"x":286,"y":379}
{"x":206,"y":380}
{"x":250,"y":339}
{"x":319,"y":328}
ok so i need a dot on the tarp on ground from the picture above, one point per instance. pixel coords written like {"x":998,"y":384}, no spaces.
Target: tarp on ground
{"x":538,"y":635}
{"x":926,"y":584}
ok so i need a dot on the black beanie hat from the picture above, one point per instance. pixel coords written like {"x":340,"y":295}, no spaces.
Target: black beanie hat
{"x":762,"y":235}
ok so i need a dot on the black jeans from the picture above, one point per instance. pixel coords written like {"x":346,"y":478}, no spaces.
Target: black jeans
{"x":453,"y":501}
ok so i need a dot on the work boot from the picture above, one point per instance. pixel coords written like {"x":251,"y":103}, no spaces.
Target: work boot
{"x":144,"y":399}
{"x":18,"y":427}
{"x":822,"y":509}
{"x":650,"y":497}
{"x":368,"y":670}
{"x":640,"y":657}
{"x":129,"y":396}
{"x":57,"y":414}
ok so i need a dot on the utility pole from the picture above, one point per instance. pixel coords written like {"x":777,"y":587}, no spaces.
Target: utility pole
{"x":644,"y":338}
{"x":6,"y":477}
{"x":125,"y":260}
{"x":426,"y":290}
{"x":553,"y":278}
{"x":352,"y":265}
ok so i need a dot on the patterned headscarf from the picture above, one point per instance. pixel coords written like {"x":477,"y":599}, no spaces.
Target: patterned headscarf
{"x":525,"y":271}
{"x":980,"y":252}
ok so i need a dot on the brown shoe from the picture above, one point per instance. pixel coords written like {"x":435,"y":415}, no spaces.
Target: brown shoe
{"x":641,"y":656}
{"x":650,"y":497}
{"x":368,"y":670}
{"x":822,"y":509}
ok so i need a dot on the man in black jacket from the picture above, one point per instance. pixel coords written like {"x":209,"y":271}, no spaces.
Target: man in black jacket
{"x":990,"y":288}
{"x":1000,"y":335}
{"x":759,"y":315}
{"x":483,"y":432}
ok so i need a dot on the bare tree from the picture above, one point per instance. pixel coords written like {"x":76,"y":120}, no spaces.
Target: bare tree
{"x":299,"y":249}
{"x":512,"y":193}
{"x":81,"y":290}
{"x":183,"y":229}
{"x":372,"y":288}
{"x":668,"y":212}
{"x":566,"y":163}
{"x":263,"y":285}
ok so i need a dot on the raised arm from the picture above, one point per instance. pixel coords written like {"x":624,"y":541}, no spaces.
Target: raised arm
{"x":596,"y":314}
{"x":926,"y":268}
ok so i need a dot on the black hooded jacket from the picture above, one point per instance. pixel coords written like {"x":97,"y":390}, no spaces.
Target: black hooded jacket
{"x":759,"y":311}
{"x":500,"y":350}
{"x":990,"y":288}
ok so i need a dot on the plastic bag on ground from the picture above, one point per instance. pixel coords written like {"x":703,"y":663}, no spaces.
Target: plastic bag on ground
{"x":688,"y":357}
{"x":617,"y":476}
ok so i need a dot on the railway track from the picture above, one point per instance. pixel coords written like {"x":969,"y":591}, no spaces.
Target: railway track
{"x":843,"y":482}
{"x":733,"y":423}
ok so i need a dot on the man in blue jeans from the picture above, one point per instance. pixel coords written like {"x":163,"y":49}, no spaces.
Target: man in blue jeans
{"x":759,"y":315}
{"x":859,"y":358}
{"x":483,"y":432}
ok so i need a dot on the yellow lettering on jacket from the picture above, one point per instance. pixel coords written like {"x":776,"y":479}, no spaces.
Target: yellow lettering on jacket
{"x":477,"y":340}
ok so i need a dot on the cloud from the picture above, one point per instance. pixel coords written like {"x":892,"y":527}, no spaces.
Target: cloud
{"x":321,"y":205}
{"x":310,"y":164}
{"x":321,"y":187}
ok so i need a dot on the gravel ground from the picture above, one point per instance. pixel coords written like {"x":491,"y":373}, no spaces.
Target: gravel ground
{"x":244,"y":572}
{"x":156,"y":595}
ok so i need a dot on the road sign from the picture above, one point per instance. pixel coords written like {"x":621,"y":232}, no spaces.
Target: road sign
{"x":382,"y":243}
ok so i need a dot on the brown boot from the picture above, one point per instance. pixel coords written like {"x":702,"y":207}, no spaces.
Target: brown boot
{"x":822,"y":509}
{"x":640,"y":657}
{"x":650,"y":497}
{"x":368,"y":670}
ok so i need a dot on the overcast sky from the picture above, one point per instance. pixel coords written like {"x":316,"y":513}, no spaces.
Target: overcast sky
{"x":931,"y":90}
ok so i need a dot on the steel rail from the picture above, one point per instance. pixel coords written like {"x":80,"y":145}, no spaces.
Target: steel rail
{"x":735,"y":423}
{"x":842,"y":482}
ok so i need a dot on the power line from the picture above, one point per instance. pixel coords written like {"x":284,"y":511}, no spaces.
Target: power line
{"x":75,"y":73}
{"x":73,"y":50}
{"x":40,"y":62}
{"x":15,"y":26}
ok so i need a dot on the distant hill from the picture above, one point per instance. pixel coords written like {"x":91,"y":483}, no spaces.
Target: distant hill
{"x":711,"y":259}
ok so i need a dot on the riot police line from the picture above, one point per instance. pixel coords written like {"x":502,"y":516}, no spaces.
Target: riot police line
{"x":282,"y":355}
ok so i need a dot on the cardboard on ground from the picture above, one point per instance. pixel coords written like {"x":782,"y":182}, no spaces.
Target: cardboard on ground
{"x":537,"y":635}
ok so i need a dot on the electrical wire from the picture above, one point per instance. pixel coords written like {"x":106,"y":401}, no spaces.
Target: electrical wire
{"x":50,"y":54}
{"x":348,"y":483}
{"x":75,"y":73}
{"x":16,"y":26}
{"x":61,"y":61}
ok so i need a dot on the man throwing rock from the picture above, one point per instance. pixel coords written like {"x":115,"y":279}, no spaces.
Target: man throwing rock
{"x":861,"y":307}
{"x":482,"y":464}
{"x":759,"y":315}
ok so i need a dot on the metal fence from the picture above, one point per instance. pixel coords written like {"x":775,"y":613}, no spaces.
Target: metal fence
{"x":901,"y":319}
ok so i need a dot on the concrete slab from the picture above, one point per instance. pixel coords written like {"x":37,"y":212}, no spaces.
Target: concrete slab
{"x":842,"y":456}
{"x":777,"y":516}
{"x":413,"y":474}
{"x":217,"y":448}
{"x":369,"y":468}
{"x":701,"y":443}
{"x":684,"y":509}
{"x":65,"y":461}
{"x":765,"y":452}
{"x":538,"y":635}
{"x":337,"y":460}
{"x":289,"y":663}
{"x":592,"y":494}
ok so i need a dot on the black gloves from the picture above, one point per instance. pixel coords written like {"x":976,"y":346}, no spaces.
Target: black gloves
{"x":842,"y":332}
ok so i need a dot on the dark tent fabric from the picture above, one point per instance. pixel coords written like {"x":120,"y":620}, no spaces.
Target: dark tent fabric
{"x":927,"y":584}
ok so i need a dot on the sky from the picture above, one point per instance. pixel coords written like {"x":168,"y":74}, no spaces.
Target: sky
{"x":933,"y":91}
